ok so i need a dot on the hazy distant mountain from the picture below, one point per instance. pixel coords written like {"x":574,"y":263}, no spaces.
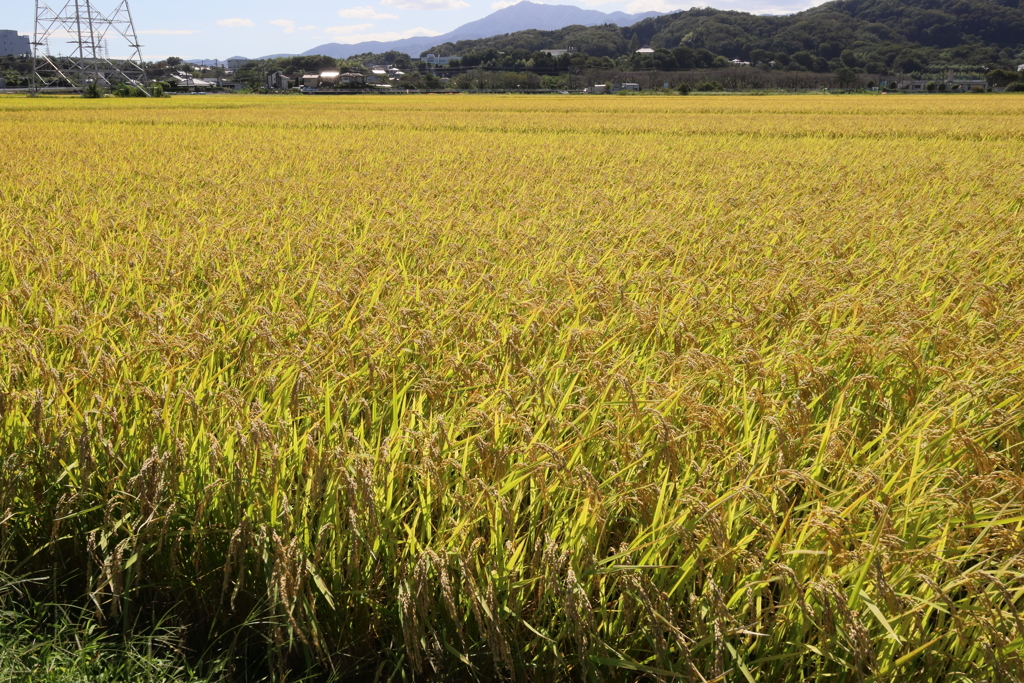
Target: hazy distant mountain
{"x":410,"y":46}
{"x":523,"y":16}
{"x":209,"y":62}
{"x":527,"y":15}
{"x":222,"y":62}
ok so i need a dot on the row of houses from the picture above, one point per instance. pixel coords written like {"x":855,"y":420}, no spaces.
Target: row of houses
{"x":959,"y":85}
{"x":332,"y":78}
{"x":378,"y":77}
{"x":186,"y":81}
{"x":602,"y":88}
{"x":952,"y":83}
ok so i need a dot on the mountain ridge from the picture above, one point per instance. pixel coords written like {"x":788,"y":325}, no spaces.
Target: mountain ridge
{"x":878,"y":36}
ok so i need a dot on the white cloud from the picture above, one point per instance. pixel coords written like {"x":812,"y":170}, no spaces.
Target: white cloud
{"x":383,"y":36}
{"x":366,"y":12}
{"x":166,"y":32}
{"x":426,"y":4}
{"x":657,"y":6}
{"x":502,"y":4}
{"x":751,"y":6}
{"x":236,"y":23}
{"x":347,"y":30}
{"x":287,"y":24}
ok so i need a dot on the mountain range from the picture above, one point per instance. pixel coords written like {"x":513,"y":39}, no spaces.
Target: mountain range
{"x":876,"y":36}
{"x":519,"y":17}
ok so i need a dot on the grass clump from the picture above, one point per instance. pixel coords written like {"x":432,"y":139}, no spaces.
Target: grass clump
{"x":60,"y":644}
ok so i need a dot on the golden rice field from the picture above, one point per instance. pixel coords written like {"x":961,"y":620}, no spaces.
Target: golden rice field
{"x":525,"y":388}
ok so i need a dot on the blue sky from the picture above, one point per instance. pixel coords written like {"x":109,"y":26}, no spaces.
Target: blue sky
{"x":196,"y":29}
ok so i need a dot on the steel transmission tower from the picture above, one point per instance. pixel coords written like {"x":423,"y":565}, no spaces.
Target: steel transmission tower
{"x":87,"y":31}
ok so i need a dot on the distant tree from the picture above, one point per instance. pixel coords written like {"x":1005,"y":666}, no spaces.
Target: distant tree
{"x":634,"y":44}
{"x":850,"y":59}
{"x":828,"y":50}
{"x":847,"y":77}
{"x":174,"y":61}
{"x":804,"y":59}
{"x":709,"y":86}
{"x":683,"y":88}
{"x":761,"y":57}
{"x":999,"y":78}
{"x":907,"y":62}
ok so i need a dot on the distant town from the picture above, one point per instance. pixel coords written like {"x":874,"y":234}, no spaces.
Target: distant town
{"x":964,"y":48}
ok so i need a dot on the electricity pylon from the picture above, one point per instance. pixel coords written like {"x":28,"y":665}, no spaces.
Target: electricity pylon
{"x":87,"y":31}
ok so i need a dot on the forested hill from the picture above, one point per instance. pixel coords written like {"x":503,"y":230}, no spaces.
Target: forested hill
{"x":873,"y":35}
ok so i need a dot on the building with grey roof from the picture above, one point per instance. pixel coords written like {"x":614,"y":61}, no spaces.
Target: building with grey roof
{"x":13,"y":44}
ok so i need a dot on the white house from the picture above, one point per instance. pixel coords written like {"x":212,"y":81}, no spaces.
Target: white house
{"x":434,"y":60}
{"x":645,"y":51}
{"x":11,"y":44}
{"x":278,"y":81}
{"x":183,"y":80}
{"x":1020,"y":67}
{"x":950,"y":85}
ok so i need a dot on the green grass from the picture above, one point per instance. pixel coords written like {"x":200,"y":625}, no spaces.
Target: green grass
{"x":51,"y":644}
